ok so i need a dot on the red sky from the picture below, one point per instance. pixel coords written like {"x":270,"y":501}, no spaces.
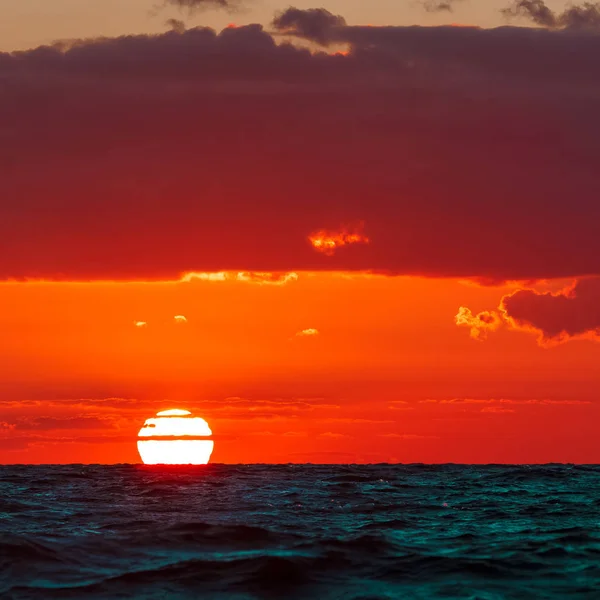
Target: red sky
{"x":381,"y":241}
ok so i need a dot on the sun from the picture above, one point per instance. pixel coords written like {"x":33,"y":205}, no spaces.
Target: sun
{"x":175,"y":437}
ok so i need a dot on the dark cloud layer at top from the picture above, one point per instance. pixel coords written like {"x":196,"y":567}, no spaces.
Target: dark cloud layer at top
{"x":465,"y":152}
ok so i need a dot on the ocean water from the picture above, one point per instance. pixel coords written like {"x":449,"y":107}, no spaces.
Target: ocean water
{"x":300,"y":531}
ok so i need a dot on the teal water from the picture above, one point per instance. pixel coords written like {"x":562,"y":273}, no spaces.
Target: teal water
{"x":300,"y":531}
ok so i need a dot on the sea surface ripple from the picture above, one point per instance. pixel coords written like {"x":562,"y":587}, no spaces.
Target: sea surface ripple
{"x":300,"y":531}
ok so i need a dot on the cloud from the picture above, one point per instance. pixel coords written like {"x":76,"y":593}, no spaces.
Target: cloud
{"x":333,"y":435}
{"x":187,"y":277}
{"x":328,"y":242}
{"x":49,"y":423}
{"x":21,"y":442}
{"x":244,"y":276}
{"x":503,"y":401}
{"x":126,"y":406}
{"x":556,"y":317}
{"x":176,"y":25}
{"x":308,"y":333}
{"x":193,"y":6}
{"x":585,"y":16}
{"x":535,"y":10}
{"x":407,"y":436}
{"x":435,"y":6}
{"x":111,"y":416}
{"x":479,"y":324}
{"x":315,"y":24}
{"x":247,"y":409}
{"x":465,"y":401}
{"x":356,"y":421}
{"x":267,"y":278}
{"x":400,"y":405}
{"x":467,"y":152}
{"x":497,"y":410}
{"x":545,"y":402}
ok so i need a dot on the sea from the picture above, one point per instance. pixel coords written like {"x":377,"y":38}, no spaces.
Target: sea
{"x":356,"y":532}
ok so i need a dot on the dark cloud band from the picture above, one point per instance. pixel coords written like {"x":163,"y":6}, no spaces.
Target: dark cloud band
{"x":462,"y":151}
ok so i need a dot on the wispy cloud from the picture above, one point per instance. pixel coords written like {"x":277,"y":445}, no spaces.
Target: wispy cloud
{"x":193,"y":6}
{"x":59,"y":423}
{"x":436,"y":6}
{"x":492,"y":404}
{"x":400,"y":405}
{"x":407,"y":436}
{"x":497,"y":410}
{"x":295,"y":434}
{"x":261,"y":278}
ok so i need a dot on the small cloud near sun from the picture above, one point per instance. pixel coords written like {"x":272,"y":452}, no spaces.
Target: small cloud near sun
{"x":140,"y":324}
{"x":327,"y":241}
{"x":308,"y":333}
{"x":180,"y":319}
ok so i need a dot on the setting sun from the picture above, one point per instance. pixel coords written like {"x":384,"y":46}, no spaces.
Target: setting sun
{"x":175,"y":437}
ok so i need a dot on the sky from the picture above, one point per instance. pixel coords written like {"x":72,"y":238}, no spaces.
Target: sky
{"x":31,"y":23}
{"x":344,"y":232}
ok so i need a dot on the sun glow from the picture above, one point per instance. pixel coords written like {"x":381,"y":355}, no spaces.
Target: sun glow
{"x":175,"y":437}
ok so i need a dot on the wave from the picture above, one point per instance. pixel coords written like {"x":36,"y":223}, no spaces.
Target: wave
{"x":256,"y":531}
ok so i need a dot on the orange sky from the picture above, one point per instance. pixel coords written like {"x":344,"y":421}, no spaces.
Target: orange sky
{"x":388,"y":377}
{"x":28,"y":23}
{"x":310,"y":147}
